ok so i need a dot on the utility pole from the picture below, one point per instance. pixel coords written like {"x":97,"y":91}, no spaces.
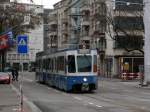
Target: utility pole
{"x":147,"y":41}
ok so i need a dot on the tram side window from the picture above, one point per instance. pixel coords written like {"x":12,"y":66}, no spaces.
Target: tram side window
{"x":41,"y":65}
{"x":71,"y":64}
{"x":47,"y":64}
{"x":95,"y":64}
{"x":52,"y":63}
{"x":60,"y":63}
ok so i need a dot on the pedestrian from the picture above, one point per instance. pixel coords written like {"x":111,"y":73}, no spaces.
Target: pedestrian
{"x":16,"y":74}
{"x":13,"y":74}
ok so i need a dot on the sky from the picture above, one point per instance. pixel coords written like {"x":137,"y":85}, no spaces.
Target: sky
{"x":46,"y":3}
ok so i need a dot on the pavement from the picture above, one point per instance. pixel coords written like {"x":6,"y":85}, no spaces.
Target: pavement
{"x":10,"y":99}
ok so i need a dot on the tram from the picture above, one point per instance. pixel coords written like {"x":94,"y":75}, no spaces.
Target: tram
{"x":68,"y":70}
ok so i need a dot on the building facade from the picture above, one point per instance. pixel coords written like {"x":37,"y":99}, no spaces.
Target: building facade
{"x":114,"y":28}
{"x":125,"y":36}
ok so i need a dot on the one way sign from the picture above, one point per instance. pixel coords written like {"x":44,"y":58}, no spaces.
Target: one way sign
{"x":22,"y":44}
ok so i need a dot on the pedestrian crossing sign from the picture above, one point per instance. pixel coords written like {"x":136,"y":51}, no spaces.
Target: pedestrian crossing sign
{"x":22,"y":44}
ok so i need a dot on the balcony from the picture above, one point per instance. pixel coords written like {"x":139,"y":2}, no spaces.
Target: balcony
{"x":64,"y":39}
{"x":131,"y":13}
{"x":135,"y":5}
{"x":85,"y":8}
{"x":132,"y":42}
{"x":101,"y":45}
{"x":85,"y":34}
{"x":129,"y":23}
{"x":53,"y":22}
{"x":64,"y":30}
{"x":52,"y":33}
{"x":64,"y":20}
{"x":85,"y":21}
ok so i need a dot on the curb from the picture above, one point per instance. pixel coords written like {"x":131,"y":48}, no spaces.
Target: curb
{"x":31,"y":105}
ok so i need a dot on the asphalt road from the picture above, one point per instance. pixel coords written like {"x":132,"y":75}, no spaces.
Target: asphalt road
{"x":111,"y":96}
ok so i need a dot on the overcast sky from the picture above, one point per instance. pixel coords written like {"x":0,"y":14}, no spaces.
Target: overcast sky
{"x":46,"y":3}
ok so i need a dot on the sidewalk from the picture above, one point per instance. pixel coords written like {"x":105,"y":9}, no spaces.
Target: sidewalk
{"x":9,"y":100}
{"x":130,"y":83}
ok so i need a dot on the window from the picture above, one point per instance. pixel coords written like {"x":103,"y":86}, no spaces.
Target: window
{"x":71,"y":64}
{"x":95,"y":63}
{"x":84,"y":63}
{"x":61,"y":63}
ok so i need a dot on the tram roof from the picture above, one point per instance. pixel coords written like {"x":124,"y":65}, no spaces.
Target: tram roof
{"x":53,"y":52}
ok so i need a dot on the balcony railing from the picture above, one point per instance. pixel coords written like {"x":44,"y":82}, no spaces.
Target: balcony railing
{"x":86,"y":7}
{"x":135,"y":42}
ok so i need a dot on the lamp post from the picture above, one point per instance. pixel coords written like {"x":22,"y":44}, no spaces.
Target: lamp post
{"x":147,"y":41}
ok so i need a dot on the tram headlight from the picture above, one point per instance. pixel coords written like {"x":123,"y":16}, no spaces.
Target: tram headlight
{"x":84,"y":79}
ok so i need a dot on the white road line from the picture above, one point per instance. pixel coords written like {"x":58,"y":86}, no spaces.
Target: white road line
{"x":99,"y":106}
{"x":32,"y":106}
{"x":29,"y":80}
{"x":65,"y":94}
{"x":90,"y":103}
{"x":77,"y":98}
{"x":16,"y":109}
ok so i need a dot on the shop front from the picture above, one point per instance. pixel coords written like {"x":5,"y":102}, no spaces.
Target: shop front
{"x":129,"y":65}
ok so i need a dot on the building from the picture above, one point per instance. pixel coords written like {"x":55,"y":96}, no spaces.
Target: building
{"x":46,"y":27}
{"x":35,"y":43}
{"x":52,"y":32}
{"x":114,"y":28}
{"x":123,"y":36}
{"x":98,"y":31}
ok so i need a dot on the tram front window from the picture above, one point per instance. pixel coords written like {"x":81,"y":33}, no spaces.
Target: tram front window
{"x":84,"y":63}
{"x":71,"y":64}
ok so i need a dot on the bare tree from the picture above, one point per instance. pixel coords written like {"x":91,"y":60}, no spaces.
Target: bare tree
{"x":13,"y":16}
{"x":126,"y":23}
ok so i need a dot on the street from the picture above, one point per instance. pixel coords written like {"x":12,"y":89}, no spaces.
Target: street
{"x":111,"y":96}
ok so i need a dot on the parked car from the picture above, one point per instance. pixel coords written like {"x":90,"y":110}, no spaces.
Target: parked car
{"x":8,"y":70}
{"x":5,"y":77}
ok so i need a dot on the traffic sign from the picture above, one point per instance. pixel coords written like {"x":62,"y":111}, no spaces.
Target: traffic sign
{"x":22,"y":41}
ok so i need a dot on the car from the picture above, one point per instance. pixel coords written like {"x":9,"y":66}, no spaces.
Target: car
{"x":5,"y":77}
{"x":8,"y":70}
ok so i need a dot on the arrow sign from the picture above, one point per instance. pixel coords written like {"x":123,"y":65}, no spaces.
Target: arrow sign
{"x":22,"y":41}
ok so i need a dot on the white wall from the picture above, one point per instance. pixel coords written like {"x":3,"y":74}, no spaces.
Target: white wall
{"x":35,"y":42}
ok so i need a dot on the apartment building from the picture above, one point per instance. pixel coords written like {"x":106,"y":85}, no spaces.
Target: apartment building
{"x":62,"y":23}
{"x":114,"y":28}
{"x":128,"y":35}
{"x":98,"y":31}
{"x":46,"y":27}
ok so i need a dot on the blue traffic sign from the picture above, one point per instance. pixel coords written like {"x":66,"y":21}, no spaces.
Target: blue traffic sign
{"x":22,"y":41}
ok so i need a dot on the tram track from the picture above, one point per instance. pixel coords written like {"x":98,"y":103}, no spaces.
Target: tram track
{"x":124,"y":104}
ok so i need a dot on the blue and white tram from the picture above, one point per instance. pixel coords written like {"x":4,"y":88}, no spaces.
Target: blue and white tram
{"x":68,"y":70}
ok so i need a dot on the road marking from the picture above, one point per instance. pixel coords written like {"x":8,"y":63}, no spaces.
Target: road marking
{"x":90,"y":103}
{"x":32,"y":106}
{"x":29,"y":80}
{"x":16,"y":109}
{"x":99,"y":106}
{"x":65,"y":94}
{"x":77,"y":98}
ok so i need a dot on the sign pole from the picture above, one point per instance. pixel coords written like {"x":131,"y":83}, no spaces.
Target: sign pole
{"x":22,"y":48}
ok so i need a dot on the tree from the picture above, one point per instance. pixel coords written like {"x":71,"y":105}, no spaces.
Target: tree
{"x":13,"y":17}
{"x":127,"y":25}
